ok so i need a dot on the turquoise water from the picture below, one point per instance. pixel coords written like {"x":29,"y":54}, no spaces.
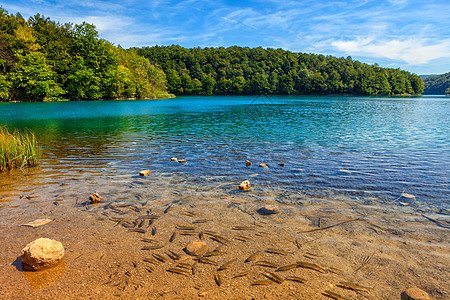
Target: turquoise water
{"x":355,"y":147}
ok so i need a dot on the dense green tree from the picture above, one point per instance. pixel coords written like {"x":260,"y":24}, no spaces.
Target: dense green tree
{"x":173,"y":81}
{"x":33,"y":78}
{"x":208,"y":84}
{"x":186,"y":84}
{"x":44,"y":60}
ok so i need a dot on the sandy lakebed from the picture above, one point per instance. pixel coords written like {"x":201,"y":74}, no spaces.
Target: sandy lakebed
{"x":384,"y":247}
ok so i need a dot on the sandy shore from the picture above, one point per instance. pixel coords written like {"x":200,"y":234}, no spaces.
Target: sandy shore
{"x":385,"y":247}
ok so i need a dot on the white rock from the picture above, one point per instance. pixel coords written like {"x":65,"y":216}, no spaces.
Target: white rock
{"x":245,"y":185}
{"x":42,"y":253}
{"x":38,"y":222}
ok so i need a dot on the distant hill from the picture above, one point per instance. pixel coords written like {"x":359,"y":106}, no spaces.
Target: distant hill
{"x":436,"y":84}
{"x":426,"y":76}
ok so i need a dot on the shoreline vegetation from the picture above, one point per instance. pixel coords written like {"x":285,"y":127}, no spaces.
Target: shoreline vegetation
{"x":18,"y":149}
{"x":43,"y":60}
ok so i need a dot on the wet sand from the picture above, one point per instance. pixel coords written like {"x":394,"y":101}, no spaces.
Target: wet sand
{"x":386,"y":247}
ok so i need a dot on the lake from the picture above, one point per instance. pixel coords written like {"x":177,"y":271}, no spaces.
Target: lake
{"x":360,"y":185}
{"x":356,"y":147}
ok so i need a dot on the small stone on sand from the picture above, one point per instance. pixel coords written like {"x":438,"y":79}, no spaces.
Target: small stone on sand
{"x":269,"y":210}
{"x":38,"y":222}
{"x":42,"y":253}
{"x":245,"y":185}
{"x":281,"y":165}
{"x":182,"y":160}
{"x":263,"y":165}
{"x":248,"y":163}
{"x":95,"y":198}
{"x":144,"y":173}
{"x":196,"y":248}
{"x":415,"y":294}
{"x":174,"y":159}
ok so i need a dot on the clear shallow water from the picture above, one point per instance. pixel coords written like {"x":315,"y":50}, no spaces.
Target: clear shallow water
{"x":348,"y":146}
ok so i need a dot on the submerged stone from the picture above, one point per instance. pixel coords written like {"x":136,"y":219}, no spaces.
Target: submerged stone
{"x":144,"y":173}
{"x":245,"y":185}
{"x":196,"y":248}
{"x":263,"y":165}
{"x":95,"y":198}
{"x":38,"y":222}
{"x":42,"y":253}
{"x":248,"y":163}
{"x":269,"y":210}
{"x":182,"y":160}
{"x":174,"y":159}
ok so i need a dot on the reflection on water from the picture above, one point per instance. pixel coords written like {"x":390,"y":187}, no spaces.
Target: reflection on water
{"x":385,"y":146}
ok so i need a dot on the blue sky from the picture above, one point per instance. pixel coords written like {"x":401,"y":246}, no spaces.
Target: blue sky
{"x":413,"y":35}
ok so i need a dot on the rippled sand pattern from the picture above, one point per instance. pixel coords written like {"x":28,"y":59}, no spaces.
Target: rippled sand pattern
{"x":385,"y":247}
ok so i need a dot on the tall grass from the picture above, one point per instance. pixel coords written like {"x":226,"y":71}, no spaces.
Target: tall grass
{"x":18,"y":149}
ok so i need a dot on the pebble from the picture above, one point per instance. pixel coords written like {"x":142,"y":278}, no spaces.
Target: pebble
{"x":263,"y":165}
{"x":415,"y":293}
{"x":196,"y":248}
{"x":182,"y":160}
{"x":95,"y":198}
{"x":42,"y":253}
{"x":245,"y":185}
{"x":281,"y":164}
{"x":248,"y":163}
{"x":144,"y":173}
{"x":173,"y":159}
{"x":269,"y":210}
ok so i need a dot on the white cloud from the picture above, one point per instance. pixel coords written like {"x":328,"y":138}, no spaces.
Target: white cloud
{"x":413,"y":51}
{"x":398,"y":2}
{"x":103,"y":23}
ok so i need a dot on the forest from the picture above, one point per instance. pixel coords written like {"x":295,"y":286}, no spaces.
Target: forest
{"x":44,"y":60}
{"x":437,"y":84}
{"x":243,"y":71}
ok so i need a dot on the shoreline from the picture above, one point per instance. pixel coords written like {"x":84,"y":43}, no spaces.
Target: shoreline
{"x":172,"y":96}
{"x":166,"y":96}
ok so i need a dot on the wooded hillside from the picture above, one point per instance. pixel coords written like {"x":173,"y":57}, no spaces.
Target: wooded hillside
{"x":437,"y":84}
{"x":238,"y":70}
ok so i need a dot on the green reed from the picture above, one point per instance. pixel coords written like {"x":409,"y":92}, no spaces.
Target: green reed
{"x":18,"y":149}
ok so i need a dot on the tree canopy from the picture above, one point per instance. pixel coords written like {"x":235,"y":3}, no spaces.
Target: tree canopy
{"x":44,"y":60}
{"x":241,"y":70}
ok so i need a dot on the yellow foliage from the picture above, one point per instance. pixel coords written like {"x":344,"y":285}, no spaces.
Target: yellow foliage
{"x":25,"y":34}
